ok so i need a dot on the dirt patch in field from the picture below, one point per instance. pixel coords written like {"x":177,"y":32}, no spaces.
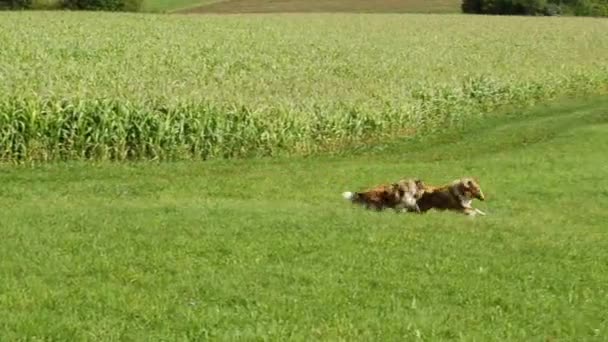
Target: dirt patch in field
{"x":308,"y":6}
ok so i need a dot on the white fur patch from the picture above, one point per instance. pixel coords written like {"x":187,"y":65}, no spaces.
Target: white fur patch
{"x":348,"y":195}
{"x":409,"y":199}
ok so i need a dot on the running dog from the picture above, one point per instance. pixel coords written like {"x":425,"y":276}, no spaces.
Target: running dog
{"x":456,"y":196}
{"x":400,"y":196}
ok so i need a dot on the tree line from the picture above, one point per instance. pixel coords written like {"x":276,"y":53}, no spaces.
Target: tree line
{"x":88,"y":5}
{"x":537,"y":7}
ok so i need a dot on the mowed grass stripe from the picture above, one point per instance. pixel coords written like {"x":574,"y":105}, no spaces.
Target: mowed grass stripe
{"x":267,"y":249}
{"x":173,"y":5}
{"x":328,"y":6}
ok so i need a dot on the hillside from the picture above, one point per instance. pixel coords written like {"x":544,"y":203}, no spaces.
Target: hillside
{"x":268,"y":250}
{"x":303,"y":6}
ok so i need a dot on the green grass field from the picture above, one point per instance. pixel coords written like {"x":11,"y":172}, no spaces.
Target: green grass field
{"x":183,"y":237}
{"x":267,"y":249}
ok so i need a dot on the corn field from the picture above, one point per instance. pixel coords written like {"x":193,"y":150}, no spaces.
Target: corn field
{"x":101,"y":86}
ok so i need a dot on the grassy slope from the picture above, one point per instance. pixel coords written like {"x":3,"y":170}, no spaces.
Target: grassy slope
{"x":172,"y":5}
{"x":384,"y":6}
{"x":268,"y":248}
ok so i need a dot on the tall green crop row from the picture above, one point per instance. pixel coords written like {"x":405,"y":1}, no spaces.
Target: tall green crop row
{"x":118,"y":86}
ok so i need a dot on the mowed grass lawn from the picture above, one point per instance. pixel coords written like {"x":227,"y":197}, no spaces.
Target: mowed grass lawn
{"x":327,"y":6}
{"x":172,"y":5}
{"x":268,"y":249}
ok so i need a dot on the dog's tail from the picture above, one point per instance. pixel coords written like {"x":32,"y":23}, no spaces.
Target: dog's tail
{"x":349,"y":196}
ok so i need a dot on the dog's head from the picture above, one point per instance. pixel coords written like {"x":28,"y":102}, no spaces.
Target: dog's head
{"x":470,"y":188}
{"x":406,"y":189}
{"x":420,"y":187}
{"x":413,"y":188}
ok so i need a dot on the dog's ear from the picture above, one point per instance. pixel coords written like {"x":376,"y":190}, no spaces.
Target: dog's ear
{"x":398,"y":189}
{"x":467,"y":183}
{"x":473,"y":183}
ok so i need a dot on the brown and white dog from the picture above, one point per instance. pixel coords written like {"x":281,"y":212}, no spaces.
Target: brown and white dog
{"x":456,"y":196}
{"x":400,"y":196}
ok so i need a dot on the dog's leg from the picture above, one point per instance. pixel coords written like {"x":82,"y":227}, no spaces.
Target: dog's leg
{"x":417,"y":208}
{"x":401,"y":209}
{"x":480,"y":212}
{"x":469,"y":212}
{"x":472,"y":212}
{"x":413,"y":209}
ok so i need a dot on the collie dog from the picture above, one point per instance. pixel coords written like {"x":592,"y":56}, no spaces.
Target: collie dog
{"x":456,"y":196}
{"x":401,"y":196}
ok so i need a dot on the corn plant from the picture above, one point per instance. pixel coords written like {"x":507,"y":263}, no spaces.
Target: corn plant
{"x":129,"y":86}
